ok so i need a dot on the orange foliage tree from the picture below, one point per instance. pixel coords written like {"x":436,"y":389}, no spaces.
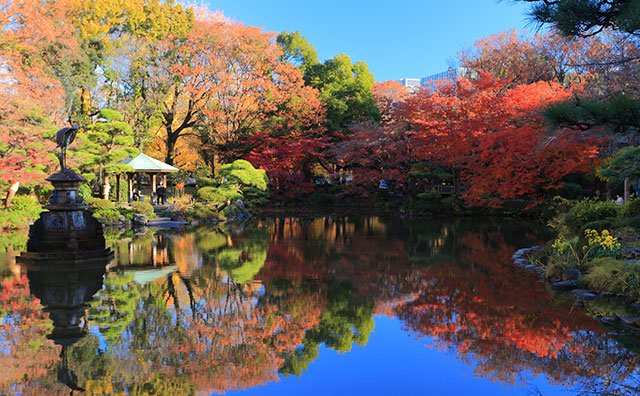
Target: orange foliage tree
{"x":37,"y":45}
{"x":234,"y":73}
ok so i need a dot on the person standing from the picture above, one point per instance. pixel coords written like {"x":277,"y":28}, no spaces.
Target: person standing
{"x":162,"y":194}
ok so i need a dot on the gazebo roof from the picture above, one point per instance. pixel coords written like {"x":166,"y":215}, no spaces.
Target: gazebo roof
{"x":144,"y":163}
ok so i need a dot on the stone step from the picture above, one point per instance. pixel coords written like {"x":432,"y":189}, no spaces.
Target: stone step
{"x":159,"y":220}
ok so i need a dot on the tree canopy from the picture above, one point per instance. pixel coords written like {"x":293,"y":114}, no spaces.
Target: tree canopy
{"x":588,"y":17}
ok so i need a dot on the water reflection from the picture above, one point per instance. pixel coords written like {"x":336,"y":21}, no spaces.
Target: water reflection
{"x":220,"y":309}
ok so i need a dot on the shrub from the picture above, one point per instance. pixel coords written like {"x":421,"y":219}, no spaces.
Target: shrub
{"x":15,"y":240}
{"x":206,"y":182}
{"x":318,"y":198}
{"x":599,"y":226}
{"x":217,"y":195}
{"x":631,"y":208}
{"x":233,"y":211}
{"x":588,"y":211}
{"x":180,"y":207}
{"x":113,"y":192}
{"x":611,"y":275}
{"x":243,"y":173}
{"x":634,"y":222}
{"x":103,"y":209}
{"x":127,"y":212}
{"x":99,"y":203}
{"x":22,"y":211}
{"x":26,"y":204}
{"x":43,"y":192}
{"x":143,"y":208}
{"x":254,"y":197}
{"x":428,"y":201}
{"x":108,"y":215}
{"x":206,"y":214}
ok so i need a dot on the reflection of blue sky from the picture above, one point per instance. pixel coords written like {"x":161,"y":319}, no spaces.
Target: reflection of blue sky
{"x":395,"y":363}
{"x":4,"y":346}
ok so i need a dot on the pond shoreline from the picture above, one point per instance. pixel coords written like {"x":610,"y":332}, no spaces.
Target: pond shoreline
{"x":569,"y":286}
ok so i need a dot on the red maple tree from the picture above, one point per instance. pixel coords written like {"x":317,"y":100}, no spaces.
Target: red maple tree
{"x":493,"y":138}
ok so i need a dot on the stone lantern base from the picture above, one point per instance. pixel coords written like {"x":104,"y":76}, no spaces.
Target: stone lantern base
{"x":67,"y":231}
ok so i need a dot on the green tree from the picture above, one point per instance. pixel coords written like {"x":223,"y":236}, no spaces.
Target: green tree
{"x":114,"y":307}
{"x":346,"y":321}
{"x":346,"y":90}
{"x":624,"y":165}
{"x":297,"y":50}
{"x":105,"y":142}
{"x":243,"y":260}
{"x":236,"y":180}
{"x":618,"y":112}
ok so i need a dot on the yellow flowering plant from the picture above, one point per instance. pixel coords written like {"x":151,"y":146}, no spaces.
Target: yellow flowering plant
{"x":600,"y":244}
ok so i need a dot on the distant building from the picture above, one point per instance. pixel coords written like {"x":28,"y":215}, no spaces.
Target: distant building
{"x":410,"y":82}
{"x":430,"y":81}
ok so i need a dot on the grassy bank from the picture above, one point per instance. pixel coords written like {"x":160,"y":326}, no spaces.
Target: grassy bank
{"x":597,"y":246}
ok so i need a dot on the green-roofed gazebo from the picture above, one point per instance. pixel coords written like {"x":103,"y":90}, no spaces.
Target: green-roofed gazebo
{"x":144,"y":164}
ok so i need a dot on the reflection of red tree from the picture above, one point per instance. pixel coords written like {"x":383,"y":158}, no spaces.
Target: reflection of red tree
{"x":25,"y":353}
{"x":358,"y":252}
{"x":507,"y":323}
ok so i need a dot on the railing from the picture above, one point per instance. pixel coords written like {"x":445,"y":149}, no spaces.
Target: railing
{"x":445,"y":190}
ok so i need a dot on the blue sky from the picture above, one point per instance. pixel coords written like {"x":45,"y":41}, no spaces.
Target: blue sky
{"x":396,"y":38}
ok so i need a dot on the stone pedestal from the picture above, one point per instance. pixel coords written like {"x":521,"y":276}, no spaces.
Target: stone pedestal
{"x":68,"y":231}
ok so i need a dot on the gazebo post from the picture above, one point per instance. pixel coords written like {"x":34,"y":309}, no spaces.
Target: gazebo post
{"x":153,"y":187}
{"x":129,"y":188}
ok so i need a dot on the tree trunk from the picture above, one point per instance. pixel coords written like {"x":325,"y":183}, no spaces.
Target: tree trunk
{"x":11,"y":192}
{"x":171,"y":146}
{"x":100,"y":179}
{"x":213,"y":164}
{"x":627,"y":182}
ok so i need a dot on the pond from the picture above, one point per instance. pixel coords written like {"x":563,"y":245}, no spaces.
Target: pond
{"x":331,"y":305}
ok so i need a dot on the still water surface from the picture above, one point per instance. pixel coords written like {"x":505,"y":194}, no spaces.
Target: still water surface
{"x":342,"y":306}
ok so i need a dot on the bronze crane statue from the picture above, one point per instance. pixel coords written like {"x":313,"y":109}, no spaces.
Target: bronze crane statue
{"x":64,"y":138}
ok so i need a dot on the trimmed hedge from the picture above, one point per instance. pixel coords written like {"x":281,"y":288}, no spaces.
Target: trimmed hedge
{"x":143,"y":208}
{"x":588,"y":211}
